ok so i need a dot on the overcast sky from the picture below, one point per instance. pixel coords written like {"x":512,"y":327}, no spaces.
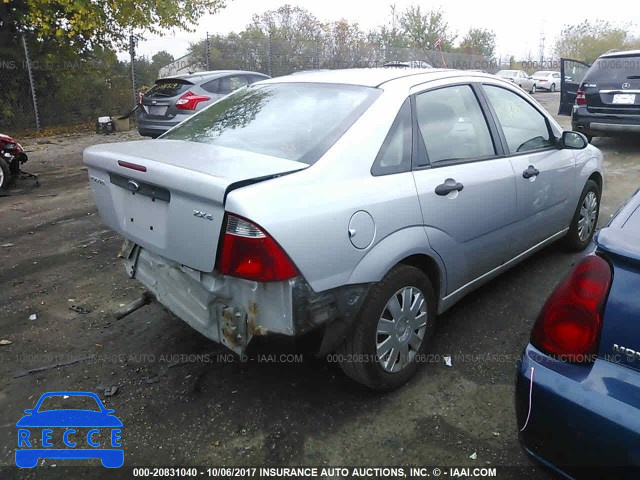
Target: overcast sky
{"x":517,"y":25}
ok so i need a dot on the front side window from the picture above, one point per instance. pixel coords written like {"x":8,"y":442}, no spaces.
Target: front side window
{"x":524,"y":127}
{"x":452,"y":125}
{"x":295,"y":121}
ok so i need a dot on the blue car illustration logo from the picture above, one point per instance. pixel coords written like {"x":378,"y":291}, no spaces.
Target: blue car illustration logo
{"x":69,"y":432}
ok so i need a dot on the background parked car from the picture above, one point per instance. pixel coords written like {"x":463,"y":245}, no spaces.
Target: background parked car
{"x":520,"y":78}
{"x":578,"y":383}
{"x":547,"y":80}
{"x":173,"y":99}
{"x":604,"y":98}
{"x":490,"y":179}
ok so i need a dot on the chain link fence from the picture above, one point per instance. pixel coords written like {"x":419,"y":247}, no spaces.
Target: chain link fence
{"x":43,"y":87}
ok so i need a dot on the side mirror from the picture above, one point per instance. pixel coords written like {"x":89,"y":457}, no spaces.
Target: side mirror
{"x":573,"y":140}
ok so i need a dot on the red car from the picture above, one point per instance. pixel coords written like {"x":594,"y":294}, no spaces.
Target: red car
{"x":11,"y":156}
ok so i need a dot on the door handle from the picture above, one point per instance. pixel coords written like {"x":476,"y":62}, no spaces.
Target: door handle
{"x":531,"y":172}
{"x":446,"y":188}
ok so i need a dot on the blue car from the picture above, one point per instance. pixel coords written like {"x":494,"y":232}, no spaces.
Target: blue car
{"x":578,"y":380}
{"x":69,"y":433}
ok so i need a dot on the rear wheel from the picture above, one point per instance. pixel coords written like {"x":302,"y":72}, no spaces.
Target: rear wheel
{"x":394,"y":327}
{"x":533,"y":89}
{"x":5,"y":175}
{"x":553,"y":87}
{"x":584,"y":222}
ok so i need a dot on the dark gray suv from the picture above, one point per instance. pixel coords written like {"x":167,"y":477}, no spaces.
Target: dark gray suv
{"x":174,"y":99}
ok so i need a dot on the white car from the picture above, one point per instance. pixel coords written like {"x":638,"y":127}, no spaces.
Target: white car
{"x":547,"y":80}
{"x":520,"y":78}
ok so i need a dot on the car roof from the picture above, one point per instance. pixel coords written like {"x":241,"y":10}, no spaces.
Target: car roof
{"x":371,"y":77}
{"x":621,"y":53}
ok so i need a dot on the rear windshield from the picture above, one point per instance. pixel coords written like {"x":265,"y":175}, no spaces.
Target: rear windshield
{"x":296,"y":121}
{"x":507,"y":73}
{"x":168,"y":88}
{"x":614,"y":69}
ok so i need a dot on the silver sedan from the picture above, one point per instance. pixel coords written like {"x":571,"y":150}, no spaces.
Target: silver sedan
{"x":520,"y":78}
{"x":356,"y":204}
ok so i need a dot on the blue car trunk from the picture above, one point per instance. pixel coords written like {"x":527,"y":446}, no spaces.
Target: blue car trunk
{"x":619,"y":243}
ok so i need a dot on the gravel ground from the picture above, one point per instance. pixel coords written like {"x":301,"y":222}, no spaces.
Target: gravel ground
{"x":211,"y":409}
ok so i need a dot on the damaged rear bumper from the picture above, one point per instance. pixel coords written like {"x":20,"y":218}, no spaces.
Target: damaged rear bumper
{"x":231,"y":311}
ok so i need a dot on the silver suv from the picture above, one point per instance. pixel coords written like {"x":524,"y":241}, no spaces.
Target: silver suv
{"x":358,"y":203}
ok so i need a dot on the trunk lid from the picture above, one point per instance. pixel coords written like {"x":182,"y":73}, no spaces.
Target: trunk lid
{"x":168,"y":195}
{"x":620,"y":243}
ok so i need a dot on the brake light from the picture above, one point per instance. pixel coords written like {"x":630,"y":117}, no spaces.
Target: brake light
{"x":249,"y":252}
{"x":580,"y":98}
{"x":570,"y":322}
{"x":189,"y":101}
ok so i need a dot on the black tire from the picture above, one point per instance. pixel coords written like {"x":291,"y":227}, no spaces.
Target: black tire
{"x":358,"y":354}
{"x":573,"y":241}
{"x":5,"y":175}
{"x":533,"y":89}
{"x":553,"y":88}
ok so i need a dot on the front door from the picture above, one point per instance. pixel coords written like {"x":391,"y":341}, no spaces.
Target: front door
{"x":545,"y":174}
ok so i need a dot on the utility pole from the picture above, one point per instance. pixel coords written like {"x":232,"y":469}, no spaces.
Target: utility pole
{"x":132,"y":53}
{"x":207,"y":52}
{"x":34,"y":98}
{"x":542,"y":38}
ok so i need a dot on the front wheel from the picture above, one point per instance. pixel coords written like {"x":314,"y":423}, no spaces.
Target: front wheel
{"x":394,"y":327}
{"x":5,"y":175}
{"x":585,"y":219}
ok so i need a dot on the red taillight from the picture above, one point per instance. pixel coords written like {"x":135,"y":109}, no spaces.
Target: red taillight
{"x":580,"y":98}
{"x":189,"y":101}
{"x":569,"y":324}
{"x":249,"y":252}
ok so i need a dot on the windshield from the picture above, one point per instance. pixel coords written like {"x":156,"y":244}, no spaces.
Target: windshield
{"x":77,"y":402}
{"x":615,"y":69}
{"x":168,"y":88}
{"x":296,"y":121}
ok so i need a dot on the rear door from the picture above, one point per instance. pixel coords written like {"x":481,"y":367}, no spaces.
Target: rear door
{"x":159,"y":102}
{"x":466,"y":189}
{"x":612,"y":86}
{"x":572,"y":73}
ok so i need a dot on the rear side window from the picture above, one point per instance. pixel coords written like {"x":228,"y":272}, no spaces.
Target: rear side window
{"x":452,"y":125}
{"x":295,"y":121}
{"x":212,"y":87}
{"x":168,"y":88}
{"x":614,"y":69}
{"x":524,"y":127}
{"x":395,"y":154}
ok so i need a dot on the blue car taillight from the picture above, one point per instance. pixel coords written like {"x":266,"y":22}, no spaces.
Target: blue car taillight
{"x":568,"y":327}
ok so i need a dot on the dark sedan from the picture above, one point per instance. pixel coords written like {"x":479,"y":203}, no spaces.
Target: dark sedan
{"x":578,"y":381}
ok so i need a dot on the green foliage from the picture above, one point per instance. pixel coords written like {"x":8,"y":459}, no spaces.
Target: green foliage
{"x":479,"y":41}
{"x":87,"y":23}
{"x":424,"y":29}
{"x":588,"y":40}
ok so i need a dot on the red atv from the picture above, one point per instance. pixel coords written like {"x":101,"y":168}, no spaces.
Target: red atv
{"x":11,"y":157}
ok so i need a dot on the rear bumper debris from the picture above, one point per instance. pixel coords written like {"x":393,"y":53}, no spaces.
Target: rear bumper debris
{"x":231,"y":311}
